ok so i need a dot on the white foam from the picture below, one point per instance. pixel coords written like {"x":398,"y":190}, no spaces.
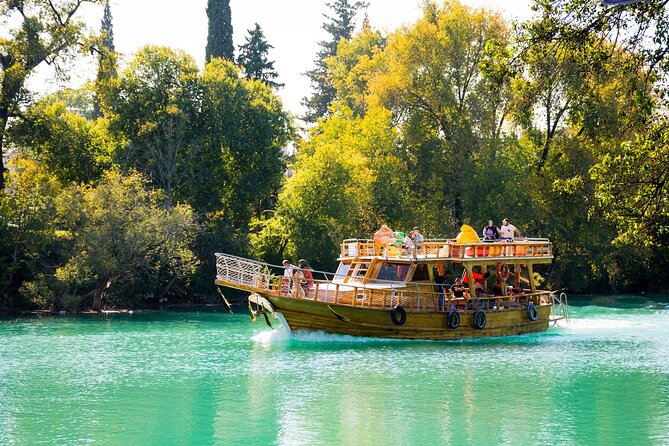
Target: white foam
{"x":269,"y":336}
{"x":282,"y":334}
{"x":655,"y":322}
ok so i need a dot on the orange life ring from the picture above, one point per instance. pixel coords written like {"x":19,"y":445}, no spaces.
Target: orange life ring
{"x":503,"y":271}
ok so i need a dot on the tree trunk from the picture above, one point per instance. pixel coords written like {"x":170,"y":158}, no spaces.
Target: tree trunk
{"x":4,"y":115}
{"x":99,"y":292}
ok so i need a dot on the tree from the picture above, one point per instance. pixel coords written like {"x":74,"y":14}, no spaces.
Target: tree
{"x":350,"y":69}
{"x":253,"y":58}
{"x":219,"y":38}
{"x":244,"y":129}
{"x":347,"y":180}
{"x":44,"y":32}
{"x":430,"y":78}
{"x":125,"y":241}
{"x":155,"y":109}
{"x":27,"y":224}
{"x":106,"y":59}
{"x":339,"y":27}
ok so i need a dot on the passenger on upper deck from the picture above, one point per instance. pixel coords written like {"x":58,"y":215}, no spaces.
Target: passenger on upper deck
{"x":507,"y":230}
{"x":490,"y":232}
{"x":417,"y":237}
{"x":382,"y":237}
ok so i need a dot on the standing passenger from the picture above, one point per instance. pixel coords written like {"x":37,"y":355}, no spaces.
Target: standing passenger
{"x":287,"y":275}
{"x":308,"y":282}
{"x":297,"y":278}
{"x":507,"y":230}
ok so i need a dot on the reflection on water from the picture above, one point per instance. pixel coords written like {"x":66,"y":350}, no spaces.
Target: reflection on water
{"x":191,"y":378}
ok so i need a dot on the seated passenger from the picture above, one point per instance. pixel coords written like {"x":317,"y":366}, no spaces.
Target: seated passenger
{"x":408,"y":245}
{"x":382,"y":237}
{"x":458,"y":289}
{"x":490,"y":232}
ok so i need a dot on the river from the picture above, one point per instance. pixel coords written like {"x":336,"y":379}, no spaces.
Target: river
{"x":206,"y":378}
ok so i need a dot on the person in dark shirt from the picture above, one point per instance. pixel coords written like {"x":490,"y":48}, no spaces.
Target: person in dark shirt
{"x":458,"y":289}
{"x":490,"y":232}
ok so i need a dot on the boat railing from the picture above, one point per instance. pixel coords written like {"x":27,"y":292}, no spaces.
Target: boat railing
{"x":254,"y":276}
{"x":448,"y":249}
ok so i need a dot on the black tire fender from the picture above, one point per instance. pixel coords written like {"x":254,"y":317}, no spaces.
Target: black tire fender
{"x":398,"y":315}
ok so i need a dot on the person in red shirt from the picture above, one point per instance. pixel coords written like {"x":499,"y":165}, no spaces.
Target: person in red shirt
{"x":308,"y":281}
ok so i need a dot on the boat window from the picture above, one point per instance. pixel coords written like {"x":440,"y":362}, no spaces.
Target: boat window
{"x":342,"y":270}
{"x":421,"y":273}
{"x":393,"y":271}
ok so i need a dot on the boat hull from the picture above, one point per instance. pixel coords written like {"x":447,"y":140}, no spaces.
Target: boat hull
{"x":304,"y":314}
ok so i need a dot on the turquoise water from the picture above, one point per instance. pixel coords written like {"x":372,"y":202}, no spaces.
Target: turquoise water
{"x":213,"y":378}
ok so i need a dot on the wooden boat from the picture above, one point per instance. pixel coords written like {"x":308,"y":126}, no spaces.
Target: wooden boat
{"x":398,"y":291}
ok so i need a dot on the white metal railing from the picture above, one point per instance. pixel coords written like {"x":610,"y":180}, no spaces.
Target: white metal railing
{"x":241,"y":271}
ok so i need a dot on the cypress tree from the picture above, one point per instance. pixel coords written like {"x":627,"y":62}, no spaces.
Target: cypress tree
{"x":339,"y":26}
{"x":219,"y":39}
{"x":106,"y":59}
{"x":253,"y":57}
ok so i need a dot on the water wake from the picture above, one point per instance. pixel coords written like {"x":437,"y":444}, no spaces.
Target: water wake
{"x":282,"y":334}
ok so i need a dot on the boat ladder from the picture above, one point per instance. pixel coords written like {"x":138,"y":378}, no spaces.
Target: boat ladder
{"x":559,"y":309}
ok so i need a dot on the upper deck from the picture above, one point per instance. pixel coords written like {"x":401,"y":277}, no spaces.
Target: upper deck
{"x":539,"y":250}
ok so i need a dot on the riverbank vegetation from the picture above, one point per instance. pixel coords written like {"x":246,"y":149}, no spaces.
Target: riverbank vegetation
{"x":119,"y":193}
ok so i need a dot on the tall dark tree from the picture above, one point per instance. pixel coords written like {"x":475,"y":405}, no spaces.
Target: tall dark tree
{"x":339,"y":26}
{"x":219,"y":39}
{"x":106,"y":59}
{"x":253,"y":57}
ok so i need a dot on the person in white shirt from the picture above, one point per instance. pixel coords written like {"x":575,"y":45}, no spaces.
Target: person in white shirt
{"x":288,"y":275}
{"x":507,"y":230}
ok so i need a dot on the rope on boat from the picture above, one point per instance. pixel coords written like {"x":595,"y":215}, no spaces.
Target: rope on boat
{"x":226,"y":304}
{"x":339,"y":316}
{"x":252,"y":313}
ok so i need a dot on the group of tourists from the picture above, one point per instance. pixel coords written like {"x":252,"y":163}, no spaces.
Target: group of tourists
{"x":505,"y":232}
{"x":298,"y":279}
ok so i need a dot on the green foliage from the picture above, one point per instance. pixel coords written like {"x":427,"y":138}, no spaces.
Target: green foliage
{"x":125,"y":241}
{"x":244,"y":132}
{"x":253,"y":58}
{"x":72,"y":147}
{"x":633,"y":187}
{"x":219,"y":38}
{"x":347,"y":179}
{"x":27,"y":226}
{"x":349,"y":70}
{"x":429,"y":77}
